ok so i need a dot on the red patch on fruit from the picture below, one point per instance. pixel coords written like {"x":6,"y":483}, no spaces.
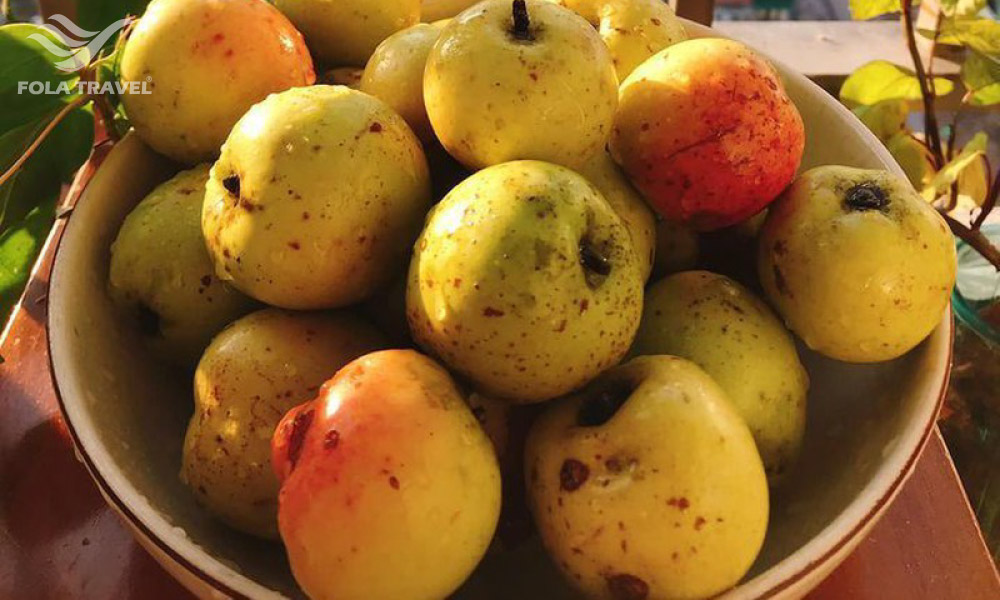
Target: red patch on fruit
{"x":572,"y":475}
{"x":679,"y":503}
{"x":331,"y":440}
{"x":297,"y":436}
{"x":627,"y":587}
{"x":492,"y":312}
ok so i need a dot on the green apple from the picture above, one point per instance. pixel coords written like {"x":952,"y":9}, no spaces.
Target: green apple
{"x":346,"y":32}
{"x":525,"y":281}
{"x":395,"y":75}
{"x":250,"y":376}
{"x":317,"y":197}
{"x":389,"y":487}
{"x":731,"y":334}
{"x":633,"y":30}
{"x":530,"y":82}
{"x":607,"y":177}
{"x":857,"y":263}
{"x":203,"y":64}
{"x":647,"y":484}
{"x":161,"y":272}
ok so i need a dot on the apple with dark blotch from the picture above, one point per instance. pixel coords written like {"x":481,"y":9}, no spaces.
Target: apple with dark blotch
{"x":389,"y":486}
{"x":647,"y":484}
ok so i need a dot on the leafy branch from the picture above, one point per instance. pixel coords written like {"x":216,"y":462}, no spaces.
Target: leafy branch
{"x":956,"y":180}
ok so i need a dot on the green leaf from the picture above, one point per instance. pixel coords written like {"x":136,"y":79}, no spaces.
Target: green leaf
{"x":971,"y":153}
{"x":881,"y":80}
{"x":26,"y":59}
{"x":95,"y":15}
{"x":52,"y":164}
{"x":982,"y":35}
{"x":19,"y":247}
{"x":885,"y":119}
{"x":981,"y":77}
{"x":869,"y":9}
{"x":912,"y":156}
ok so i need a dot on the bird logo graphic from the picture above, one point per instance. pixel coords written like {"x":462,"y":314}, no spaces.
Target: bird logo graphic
{"x":80,"y":44}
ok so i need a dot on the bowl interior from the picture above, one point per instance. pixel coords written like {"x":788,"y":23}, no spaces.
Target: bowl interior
{"x":128,"y":411}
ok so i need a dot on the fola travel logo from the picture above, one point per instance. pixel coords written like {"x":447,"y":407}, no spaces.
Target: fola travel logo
{"x":80,"y":46}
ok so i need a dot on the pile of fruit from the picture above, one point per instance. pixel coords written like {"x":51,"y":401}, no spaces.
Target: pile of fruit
{"x":456,"y":251}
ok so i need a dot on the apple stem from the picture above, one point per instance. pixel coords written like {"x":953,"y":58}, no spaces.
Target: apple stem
{"x":866,"y":196}
{"x":522,"y":22}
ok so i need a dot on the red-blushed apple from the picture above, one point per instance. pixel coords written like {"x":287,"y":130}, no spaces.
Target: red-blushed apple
{"x":707,"y":133}
{"x":389,"y":486}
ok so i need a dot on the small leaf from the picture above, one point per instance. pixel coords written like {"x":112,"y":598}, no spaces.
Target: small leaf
{"x":885,"y":119}
{"x":982,"y":35}
{"x":881,"y":80}
{"x":972,"y":152}
{"x":25,"y":61}
{"x":974,"y":180}
{"x":19,"y":247}
{"x":862,"y":10}
{"x":52,"y":164}
{"x":912,"y":156}
{"x":981,"y":77}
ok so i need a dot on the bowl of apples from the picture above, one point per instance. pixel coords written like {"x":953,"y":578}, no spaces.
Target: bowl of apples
{"x":535,"y":300}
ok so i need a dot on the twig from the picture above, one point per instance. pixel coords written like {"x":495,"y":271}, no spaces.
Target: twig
{"x":991,"y":200}
{"x":926,"y":86}
{"x":975,"y":238}
{"x":76,"y":103}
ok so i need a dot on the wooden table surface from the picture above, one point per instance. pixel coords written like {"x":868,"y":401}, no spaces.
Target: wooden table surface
{"x":59,"y":540}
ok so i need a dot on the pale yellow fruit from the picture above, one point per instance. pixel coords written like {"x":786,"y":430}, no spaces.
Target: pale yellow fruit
{"x":731,"y":334}
{"x":525,"y":281}
{"x":857,"y":263}
{"x":204,"y":63}
{"x":162,"y":273}
{"x":607,"y":177}
{"x":395,"y":75}
{"x":493,"y":97}
{"x":647,"y":484}
{"x":390,"y":489}
{"x":437,"y":10}
{"x":346,"y":32}
{"x":251,"y":374}
{"x":633,"y":30}
{"x":316,"y":199}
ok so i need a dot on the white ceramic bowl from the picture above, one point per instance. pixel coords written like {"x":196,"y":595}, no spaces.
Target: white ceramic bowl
{"x":127,"y":413}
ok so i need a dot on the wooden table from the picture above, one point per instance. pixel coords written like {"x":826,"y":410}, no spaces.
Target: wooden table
{"x":59,"y":540}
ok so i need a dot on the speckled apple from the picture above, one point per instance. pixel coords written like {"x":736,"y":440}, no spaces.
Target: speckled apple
{"x":857,"y":263}
{"x":250,"y":376}
{"x":525,"y":281}
{"x":346,"y":32}
{"x":204,"y":63}
{"x":389,"y":486}
{"x":316,"y":199}
{"x":162,"y":275}
{"x":539,"y":86}
{"x":647,"y":484}
{"x":707,"y":133}
{"x":736,"y":338}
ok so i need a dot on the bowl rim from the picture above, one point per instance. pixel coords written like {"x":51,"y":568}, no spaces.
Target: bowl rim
{"x":826,"y":556}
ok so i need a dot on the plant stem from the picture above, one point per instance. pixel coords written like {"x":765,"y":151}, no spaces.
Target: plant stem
{"x":926,"y":85}
{"x":76,"y":103}
{"x":991,"y":201}
{"x":975,"y":238}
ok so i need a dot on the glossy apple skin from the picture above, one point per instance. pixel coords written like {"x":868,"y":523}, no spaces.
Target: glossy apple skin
{"x":661,"y":497}
{"x":492,"y":98}
{"x":390,"y":488}
{"x":706,"y":132}
{"x":856,"y":285}
{"x":206,"y":62}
